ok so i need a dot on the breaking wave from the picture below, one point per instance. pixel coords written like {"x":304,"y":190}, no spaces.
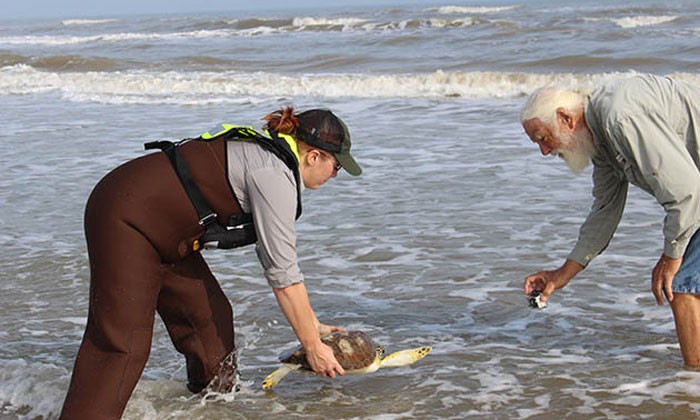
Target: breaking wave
{"x":76,"y":22}
{"x":636,"y":21}
{"x":629,"y":22}
{"x":243,"y":28}
{"x":472,"y":10}
{"x":211,"y":87}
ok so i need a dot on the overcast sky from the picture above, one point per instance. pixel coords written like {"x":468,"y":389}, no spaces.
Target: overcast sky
{"x":99,"y":8}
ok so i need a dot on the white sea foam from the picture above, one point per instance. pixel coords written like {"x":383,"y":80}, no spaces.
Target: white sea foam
{"x":472,"y":10}
{"x":303,"y":22}
{"x":72,"y":22}
{"x":209,"y":87}
{"x":687,"y":384}
{"x":298,"y":24}
{"x":446,"y":23}
{"x":51,"y":40}
{"x":637,"y":21}
{"x":34,"y":389}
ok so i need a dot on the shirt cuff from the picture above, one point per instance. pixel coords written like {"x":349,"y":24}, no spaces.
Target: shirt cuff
{"x":581,"y":256}
{"x":279,"y":279}
{"x":675,"y":248}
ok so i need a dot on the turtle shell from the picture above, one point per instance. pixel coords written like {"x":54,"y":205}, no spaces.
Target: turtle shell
{"x":353,"y":349}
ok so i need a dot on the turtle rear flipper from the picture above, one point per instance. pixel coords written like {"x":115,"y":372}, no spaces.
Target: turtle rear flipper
{"x":275,"y":377}
{"x":405,"y":357}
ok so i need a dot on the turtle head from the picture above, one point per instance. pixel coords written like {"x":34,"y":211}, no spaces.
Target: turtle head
{"x":381,"y":351}
{"x":405,"y":357}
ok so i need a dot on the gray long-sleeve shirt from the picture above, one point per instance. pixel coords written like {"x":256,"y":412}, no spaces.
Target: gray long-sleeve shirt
{"x":647,"y":131}
{"x":265,"y":187}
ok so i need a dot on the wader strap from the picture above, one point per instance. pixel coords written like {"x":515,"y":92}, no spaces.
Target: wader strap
{"x":206,"y":215}
{"x":281,"y":149}
{"x":240,"y":230}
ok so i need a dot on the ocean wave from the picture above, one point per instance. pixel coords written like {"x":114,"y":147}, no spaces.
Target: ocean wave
{"x":49,"y":40}
{"x":427,"y":23}
{"x":327,"y":22}
{"x":210,"y":87}
{"x":69,"y":62}
{"x":74,"y":22}
{"x":472,"y":10}
{"x":628,"y":22}
{"x":11,"y":59}
{"x":636,"y":21}
{"x":254,"y":27}
{"x":452,"y":23}
{"x":30,"y":389}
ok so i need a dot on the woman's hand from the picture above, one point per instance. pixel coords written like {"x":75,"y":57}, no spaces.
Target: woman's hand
{"x":294,"y":302}
{"x":323,"y":361}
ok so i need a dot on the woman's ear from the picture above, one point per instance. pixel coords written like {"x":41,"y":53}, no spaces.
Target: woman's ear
{"x":313,"y":156}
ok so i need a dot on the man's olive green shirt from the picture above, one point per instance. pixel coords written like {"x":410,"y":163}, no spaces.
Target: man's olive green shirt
{"x":646,"y":130}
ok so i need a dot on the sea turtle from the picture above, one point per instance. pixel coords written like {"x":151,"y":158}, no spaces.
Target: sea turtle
{"x":355,"y":351}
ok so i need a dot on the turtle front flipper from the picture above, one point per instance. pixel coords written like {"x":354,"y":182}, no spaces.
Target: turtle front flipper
{"x":275,"y":377}
{"x":405,"y":357}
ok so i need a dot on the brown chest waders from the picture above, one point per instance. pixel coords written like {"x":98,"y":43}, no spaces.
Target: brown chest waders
{"x":140,"y":226}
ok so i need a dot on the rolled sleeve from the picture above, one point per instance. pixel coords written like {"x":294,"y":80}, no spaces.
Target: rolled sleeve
{"x":272,"y":195}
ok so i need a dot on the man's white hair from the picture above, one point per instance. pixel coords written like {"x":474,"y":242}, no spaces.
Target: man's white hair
{"x":544,"y":102}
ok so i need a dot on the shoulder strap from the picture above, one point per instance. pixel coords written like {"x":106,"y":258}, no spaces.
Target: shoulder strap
{"x":273,"y":144}
{"x":206,"y":215}
{"x":281,"y":149}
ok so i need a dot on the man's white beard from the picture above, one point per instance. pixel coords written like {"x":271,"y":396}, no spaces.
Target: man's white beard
{"x":577,"y":150}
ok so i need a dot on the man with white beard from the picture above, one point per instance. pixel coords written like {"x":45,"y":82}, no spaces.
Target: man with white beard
{"x":643,"y":130}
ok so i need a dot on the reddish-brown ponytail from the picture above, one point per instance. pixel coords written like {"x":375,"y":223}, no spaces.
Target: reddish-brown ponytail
{"x":282,"y":121}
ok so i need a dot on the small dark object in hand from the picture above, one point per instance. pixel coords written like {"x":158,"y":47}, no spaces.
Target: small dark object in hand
{"x":535,"y":301}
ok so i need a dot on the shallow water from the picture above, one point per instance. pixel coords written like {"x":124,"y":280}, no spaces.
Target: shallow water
{"x":428,"y":247}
